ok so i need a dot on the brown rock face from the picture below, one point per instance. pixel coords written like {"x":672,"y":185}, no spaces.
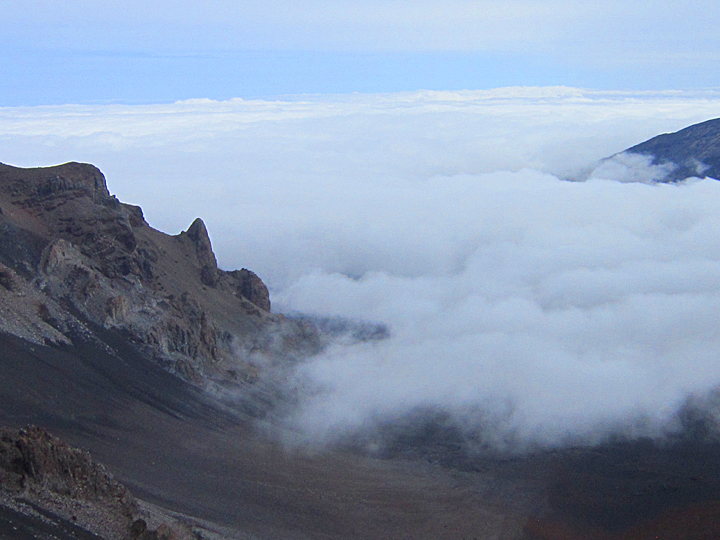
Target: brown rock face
{"x":32,"y":459}
{"x":43,"y":184}
{"x":74,"y":496}
{"x":250,"y":286}
{"x":198,"y":235}
{"x":78,"y":246}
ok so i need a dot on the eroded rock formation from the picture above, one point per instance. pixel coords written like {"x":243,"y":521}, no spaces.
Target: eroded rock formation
{"x":72,"y":255}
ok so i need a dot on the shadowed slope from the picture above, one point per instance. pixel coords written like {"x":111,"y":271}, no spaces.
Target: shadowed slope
{"x":174,"y":446}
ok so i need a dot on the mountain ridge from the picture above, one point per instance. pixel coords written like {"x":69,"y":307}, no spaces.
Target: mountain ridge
{"x":692,"y":152}
{"x":77,"y":251}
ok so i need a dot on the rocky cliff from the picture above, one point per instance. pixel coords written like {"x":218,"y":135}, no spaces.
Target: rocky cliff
{"x":41,"y":473}
{"x":72,"y":255}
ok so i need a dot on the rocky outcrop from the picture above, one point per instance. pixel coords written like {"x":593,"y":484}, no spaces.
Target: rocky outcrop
{"x":90,"y":259}
{"x":249,"y":285}
{"x":47,"y":485}
{"x":33,"y":460}
{"x":198,"y":235}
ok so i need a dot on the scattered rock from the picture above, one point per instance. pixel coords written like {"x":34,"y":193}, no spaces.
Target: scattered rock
{"x":43,"y":478}
{"x":6,"y":279}
{"x":33,"y":460}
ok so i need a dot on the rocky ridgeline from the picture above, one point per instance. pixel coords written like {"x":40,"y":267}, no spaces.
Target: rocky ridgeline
{"x":73,"y":257}
{"x":692,"y":152}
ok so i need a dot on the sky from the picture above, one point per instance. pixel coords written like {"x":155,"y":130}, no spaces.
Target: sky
{"x":154,"y":51}
{"x":533,"y":308}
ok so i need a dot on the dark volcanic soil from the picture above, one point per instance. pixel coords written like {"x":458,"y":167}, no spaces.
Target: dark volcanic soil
{"x":175,"y":446}
{"x":172,"y":445}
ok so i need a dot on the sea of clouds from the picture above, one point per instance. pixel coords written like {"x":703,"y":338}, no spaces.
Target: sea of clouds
{"x":514,"y":296}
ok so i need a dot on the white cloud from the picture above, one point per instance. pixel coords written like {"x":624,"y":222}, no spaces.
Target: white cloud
{"x":580,"y":304}
{"x":628,"y":167}
{"x":557,"y":306}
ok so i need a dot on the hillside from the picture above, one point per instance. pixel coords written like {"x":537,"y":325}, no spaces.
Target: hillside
{"x":690,"y":152}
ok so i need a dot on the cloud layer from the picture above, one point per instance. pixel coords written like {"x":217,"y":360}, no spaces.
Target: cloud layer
{"x":549,"y":309}
{"x":566,"y":308}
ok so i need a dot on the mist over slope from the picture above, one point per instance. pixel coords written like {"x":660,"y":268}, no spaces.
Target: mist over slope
{"x":529,"y":308}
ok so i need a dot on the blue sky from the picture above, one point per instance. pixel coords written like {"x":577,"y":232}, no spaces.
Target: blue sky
{"x":162,"y":51}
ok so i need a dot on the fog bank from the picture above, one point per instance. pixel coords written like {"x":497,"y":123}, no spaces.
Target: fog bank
{"x":561,"y":310}
{"x":546,"y":309}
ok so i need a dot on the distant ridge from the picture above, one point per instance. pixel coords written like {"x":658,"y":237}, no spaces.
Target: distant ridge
{"x":693,"y":151}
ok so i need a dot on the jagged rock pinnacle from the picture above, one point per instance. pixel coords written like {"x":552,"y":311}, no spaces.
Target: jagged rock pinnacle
{"x":197,"y":232}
